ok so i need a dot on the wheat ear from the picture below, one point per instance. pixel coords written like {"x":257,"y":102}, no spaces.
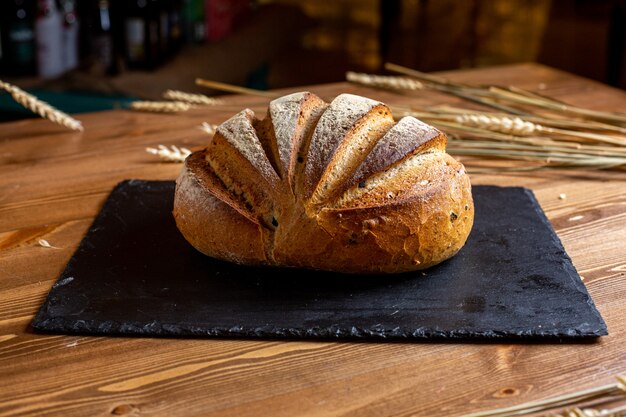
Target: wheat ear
{"x":171,"y":154}
{"x":190,"y":98}
{"x":563,"y":123}
{"x":208,"y":128}
{"x":509,"y":125}
{"x":160,"y":106}
{"x":503,"y":124}
{"x":41,"y":108}
{"x":384,"y":81}
{"x":519,"y":127}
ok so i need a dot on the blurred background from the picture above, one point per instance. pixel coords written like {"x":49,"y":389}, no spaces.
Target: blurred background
{"x":87,"y":55}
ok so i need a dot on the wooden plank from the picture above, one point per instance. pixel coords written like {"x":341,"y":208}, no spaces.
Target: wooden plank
{"x":53,"y":182}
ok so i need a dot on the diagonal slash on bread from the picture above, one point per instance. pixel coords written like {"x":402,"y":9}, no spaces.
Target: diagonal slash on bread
{"x":337,"y":186}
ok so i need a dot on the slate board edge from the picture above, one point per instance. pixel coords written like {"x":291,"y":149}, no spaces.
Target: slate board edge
{"x":156,"y":329}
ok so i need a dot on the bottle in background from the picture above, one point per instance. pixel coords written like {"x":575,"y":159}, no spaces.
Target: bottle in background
{"x":194,"y":23}
{"x":153,"y":42}
{"x":17,"y":18}
{"x":135,"y":33}
{"x":176,"y":30}
{"x":164,"y":28}
{"x":101,"y":39}
{"x":70,"y":34}
{"x":221,"y":15}
{"x":142,"y":31}
{"x":49,"y":39}
{"x":2,"y":13}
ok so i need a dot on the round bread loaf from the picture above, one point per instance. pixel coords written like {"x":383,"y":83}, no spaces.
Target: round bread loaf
{"x":339,"y":187}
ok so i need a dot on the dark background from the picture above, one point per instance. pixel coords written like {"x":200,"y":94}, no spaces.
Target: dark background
{"x":282,"y":43}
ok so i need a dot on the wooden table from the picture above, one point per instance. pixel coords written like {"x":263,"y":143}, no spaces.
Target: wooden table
{"x":53,"y":182}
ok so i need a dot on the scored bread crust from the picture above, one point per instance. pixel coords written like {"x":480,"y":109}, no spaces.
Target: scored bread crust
{"x":337,"y":187}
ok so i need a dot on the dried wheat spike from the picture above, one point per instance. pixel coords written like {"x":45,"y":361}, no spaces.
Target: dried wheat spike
{"x":190,"y":98}
{"x":384,"y":81}
{"x":171,"y":154}
{"x":41,"y":108}
{"x":208,"y":128}
{"x":503,"y":124}
{"x":160,"y":106}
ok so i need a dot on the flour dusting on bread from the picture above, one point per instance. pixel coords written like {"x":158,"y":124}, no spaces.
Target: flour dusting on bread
{"x":339,"y":186}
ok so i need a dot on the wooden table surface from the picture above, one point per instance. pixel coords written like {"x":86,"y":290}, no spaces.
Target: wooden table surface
{"x":53,"y":182}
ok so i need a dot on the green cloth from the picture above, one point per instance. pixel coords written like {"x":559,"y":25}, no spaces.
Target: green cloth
{"x":69,"y":102}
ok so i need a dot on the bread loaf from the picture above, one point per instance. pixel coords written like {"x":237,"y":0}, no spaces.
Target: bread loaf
{"x":339,"y":187}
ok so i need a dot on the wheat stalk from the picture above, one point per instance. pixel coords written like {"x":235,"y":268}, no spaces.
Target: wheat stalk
{"x":566,"y":123}
{"x":234,"y":88}
{"x":171,"y":154}
{"x":532,"y":145}
{"x":429,"y":78}
{"x":576,"y":412}
{"x":520,"y":127}
{"x":553,"y":158}
{"x":392,"y":82}
{"x":604,"y":391}
{"x":494,"y":95}
{"x":160,"y":106}
{"x":554,"y":105}
{"x":514,"y":126}
{"x":474,"y":94}
{"x":41,"y":108}
{"x":591,"y":412}
{"x":190,"y":98}
{"x":384,"y":81}
{"x":495,"y":136}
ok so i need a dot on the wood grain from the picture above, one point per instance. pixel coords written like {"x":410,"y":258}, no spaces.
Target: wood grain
{"x":53,"y":182}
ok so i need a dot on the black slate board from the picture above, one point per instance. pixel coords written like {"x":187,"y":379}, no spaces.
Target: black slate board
{"x":134,"y":274}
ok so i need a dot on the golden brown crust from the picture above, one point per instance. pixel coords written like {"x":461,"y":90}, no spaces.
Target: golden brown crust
{"x":403,"y":205}
{"x":342,"y":120}
{"x":408,"y":137}
{"x":206,"y":219}
{"x":290,"y":122}
{"x":418,"y":229}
